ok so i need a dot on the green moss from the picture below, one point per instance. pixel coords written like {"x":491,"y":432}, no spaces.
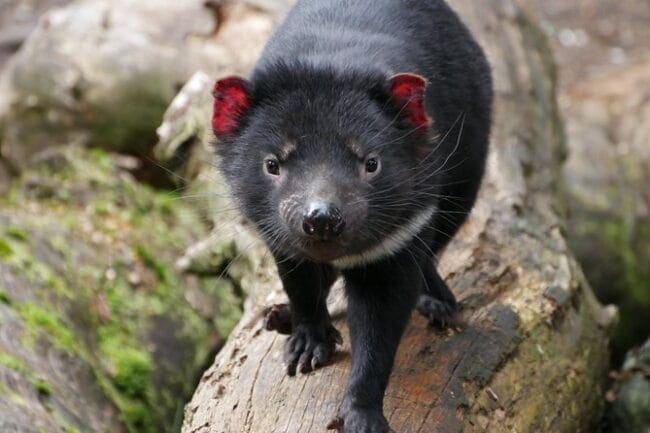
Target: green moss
{"x":105,"y":208}
{"x":149,"y":261}
{"x":12,"y":363}
{"x":229,"y":304}
{"x":17,"y":234}
{"x":16,"y":398}
{"x":5,"y":249}
{"x":59,"y":286}
{"x":39,"y":272}
{"x":38,"y":318}
{"x":129,"y":385}
{"x":570,"y":360}
{"x":133,"y":371}
{"x":101,"y":157}
{"x":625,"y":279}
{"x":617,"y":237}
{"x":42,"y":386}
{"x":4,"y":297}
{"x":59,"y":244}
{"x":112,"y":324}
{"x":138,"y":417}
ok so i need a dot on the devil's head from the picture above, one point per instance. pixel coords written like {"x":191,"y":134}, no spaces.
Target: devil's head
{"x":326,"y":165}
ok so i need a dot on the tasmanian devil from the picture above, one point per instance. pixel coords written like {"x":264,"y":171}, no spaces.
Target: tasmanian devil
{"x":356,"y":148}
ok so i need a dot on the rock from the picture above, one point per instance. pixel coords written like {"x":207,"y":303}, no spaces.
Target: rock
{"x":102,"y":73}
{"x":98,"y":330}
{"x":17,"y":19}
{"x":184,"y":135}
{"x":278,"y":6}
{"x":184,"y":148}
{"x":607,"y":177}
{"x":630,"y":412}
{"x":5,"y":177}
{"x":593,"y":36}
{"x":112,"y":341}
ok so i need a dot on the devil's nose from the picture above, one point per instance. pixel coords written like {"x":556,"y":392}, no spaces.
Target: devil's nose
{"x":323,"y":221}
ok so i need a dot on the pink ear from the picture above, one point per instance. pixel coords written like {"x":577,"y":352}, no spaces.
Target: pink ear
{"x":408,"y":92}
{"x":231,"y":101}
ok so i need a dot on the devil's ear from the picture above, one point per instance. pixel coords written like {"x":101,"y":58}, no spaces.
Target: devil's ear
{"x":407,"y":92}
{"x":231,"y":101}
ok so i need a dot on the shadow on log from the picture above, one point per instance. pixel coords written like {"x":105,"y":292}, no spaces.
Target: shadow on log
{"x":533,"y":354}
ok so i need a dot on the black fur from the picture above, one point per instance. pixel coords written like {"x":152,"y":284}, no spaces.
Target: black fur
{"x":321,"y":89}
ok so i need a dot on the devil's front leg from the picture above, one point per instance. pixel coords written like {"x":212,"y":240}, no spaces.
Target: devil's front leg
{"x":313,"y":337}
{"x":437,"y":303}
{"x":380,"y":300}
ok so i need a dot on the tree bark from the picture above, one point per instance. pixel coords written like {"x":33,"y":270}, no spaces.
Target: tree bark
{"x":533,"y":354}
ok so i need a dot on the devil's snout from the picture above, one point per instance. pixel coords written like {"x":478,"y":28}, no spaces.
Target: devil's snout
{"x":323,"y":221}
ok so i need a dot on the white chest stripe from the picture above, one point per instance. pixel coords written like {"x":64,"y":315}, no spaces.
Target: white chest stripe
{"x":391,"y":244}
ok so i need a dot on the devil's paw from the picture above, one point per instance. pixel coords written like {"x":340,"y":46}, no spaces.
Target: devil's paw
{"x":359,"y":420}
{"x":310,"y":346}
{"x":278,"y":318}
{"x":440,"y":314}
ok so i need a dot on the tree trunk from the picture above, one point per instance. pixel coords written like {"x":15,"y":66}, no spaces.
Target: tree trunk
{"x":533,"y":354}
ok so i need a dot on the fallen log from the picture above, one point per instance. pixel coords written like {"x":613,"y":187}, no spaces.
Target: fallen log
{"x":534,"y":351}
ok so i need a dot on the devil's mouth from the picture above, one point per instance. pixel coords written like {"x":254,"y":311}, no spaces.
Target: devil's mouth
{"x":324,"y":251}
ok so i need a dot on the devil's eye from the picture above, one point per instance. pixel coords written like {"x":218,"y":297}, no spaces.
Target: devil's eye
{"x":272,"y":166}
{"x":372,"y":165}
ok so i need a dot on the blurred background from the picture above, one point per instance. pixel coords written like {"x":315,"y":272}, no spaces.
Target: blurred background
{"x":111,"y":303}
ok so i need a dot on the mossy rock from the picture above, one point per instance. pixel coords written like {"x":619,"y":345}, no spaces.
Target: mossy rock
{"x":607,"y":179}
{"x":629,"y":411}
{"x":99,"y":330}
{"x":101,"y":73}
